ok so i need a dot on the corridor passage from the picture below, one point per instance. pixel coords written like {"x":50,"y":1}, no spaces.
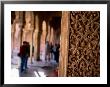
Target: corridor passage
{"x":35,"y":69}
{"x":37,"y":35}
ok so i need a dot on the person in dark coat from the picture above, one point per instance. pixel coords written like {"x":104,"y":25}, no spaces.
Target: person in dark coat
{"x":28,"y":54}
{"x":51,"y":51}
{"x":24,"y":55}
{"x":47,"y":51}
{"x":56,"y":52}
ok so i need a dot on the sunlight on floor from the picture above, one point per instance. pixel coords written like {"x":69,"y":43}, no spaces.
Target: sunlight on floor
{"x":36,"y":74}
{"x":41,"y":74}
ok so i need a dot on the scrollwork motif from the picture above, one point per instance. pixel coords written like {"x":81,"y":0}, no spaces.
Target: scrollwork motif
{"x":84,"y":46}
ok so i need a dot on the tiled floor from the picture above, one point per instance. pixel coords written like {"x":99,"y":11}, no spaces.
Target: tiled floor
{"x":36,"y":69}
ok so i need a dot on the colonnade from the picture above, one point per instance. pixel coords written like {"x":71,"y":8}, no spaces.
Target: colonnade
{"x":34,"y":28}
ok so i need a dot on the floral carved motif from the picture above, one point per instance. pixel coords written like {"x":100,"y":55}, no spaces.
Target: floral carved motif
{"x":84,"y":44}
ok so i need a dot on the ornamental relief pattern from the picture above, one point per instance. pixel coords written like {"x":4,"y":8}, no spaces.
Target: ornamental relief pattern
{"x":84,"y":44}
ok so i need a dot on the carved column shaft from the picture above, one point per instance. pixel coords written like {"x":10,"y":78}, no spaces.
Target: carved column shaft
{"x":36,"y":37}
{"x":64,"y":44}
{"x":12,"y":38}
{"x":28,"y":30}
{"x":51,"y":35}
{"x":42,"y":41}
{"x":18,"y":22}
{"x":48,"y":33}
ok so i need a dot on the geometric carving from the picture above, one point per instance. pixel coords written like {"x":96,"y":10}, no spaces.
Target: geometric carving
{"x":84,"y":44}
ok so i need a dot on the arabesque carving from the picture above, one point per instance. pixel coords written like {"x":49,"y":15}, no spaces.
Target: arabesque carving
{"x":84,"y":44}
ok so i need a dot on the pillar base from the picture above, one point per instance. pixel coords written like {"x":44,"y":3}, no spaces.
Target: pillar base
{"x":38,"y":59}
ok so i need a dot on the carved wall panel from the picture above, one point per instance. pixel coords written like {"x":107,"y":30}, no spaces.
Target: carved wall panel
{"x":84,"y":44}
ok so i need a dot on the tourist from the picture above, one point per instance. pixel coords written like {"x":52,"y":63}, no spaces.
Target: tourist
{"x":24,"y":54}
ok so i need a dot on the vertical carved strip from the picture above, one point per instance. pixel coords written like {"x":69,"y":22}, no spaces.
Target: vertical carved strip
{"x":84,"y":46}
{"x":64,"y":44}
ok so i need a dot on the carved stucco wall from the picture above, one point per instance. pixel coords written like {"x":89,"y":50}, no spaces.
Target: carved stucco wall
{"x":84,"y":44}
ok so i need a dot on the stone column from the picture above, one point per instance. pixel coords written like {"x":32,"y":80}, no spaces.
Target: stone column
{"x":15,"y":34}
{"x":24,"y":35}
{"x":51,"y":35}
{"x":48,"y":34}
{"x":42,"y":46}
{"x":18,"y":27}
{"x":12,"y":39}
{"x":28,"y":30}
{"x":21,"y":26}
{"x":36,"y":37}
{"x":64,"y":44}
